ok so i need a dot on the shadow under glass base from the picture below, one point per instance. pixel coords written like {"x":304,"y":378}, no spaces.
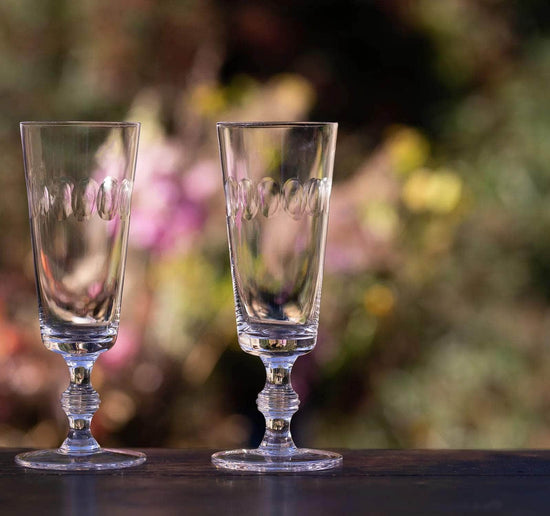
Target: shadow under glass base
{"x":102,"y":459}
{"x":257,"y":460}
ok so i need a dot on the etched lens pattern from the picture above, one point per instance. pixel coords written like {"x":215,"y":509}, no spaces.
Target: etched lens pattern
{"x":63,"y":199}
{"x":246,"y":199}
{"x":278,"y":235}
{"x":79,"y":228}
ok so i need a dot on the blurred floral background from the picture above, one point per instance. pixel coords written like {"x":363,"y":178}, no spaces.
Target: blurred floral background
{"x":435,"y":317}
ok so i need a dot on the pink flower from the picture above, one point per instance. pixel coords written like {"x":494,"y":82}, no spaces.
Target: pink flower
{"x":124,"y":350}
{"x":202,"y":181}
{"x":167,"y":217}
{"x":168,"y":208}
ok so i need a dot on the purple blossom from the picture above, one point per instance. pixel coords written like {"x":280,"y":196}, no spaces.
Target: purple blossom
{"x":126,"y":348}
{"x":169,"y":205}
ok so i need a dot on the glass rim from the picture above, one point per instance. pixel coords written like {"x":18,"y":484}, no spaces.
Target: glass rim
{"x":281,"y":124}
{"x":79,"y":123}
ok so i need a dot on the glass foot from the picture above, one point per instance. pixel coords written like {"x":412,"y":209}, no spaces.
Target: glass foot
{"x":302,"y":459}
{"x":103,"y":459}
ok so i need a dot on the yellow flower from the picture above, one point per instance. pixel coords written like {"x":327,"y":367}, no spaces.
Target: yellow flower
{"x":445,"y":191}
{"x":379,"y":300}
{"x":208,"y":99}
{"x":439,"y":192}
{"x":414,"y":190}
{"x":291,"y":92}
{"x":381,"y":218}
{"x":409,"y":149}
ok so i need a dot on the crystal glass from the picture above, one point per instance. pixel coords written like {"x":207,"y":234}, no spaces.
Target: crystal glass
{"x":277,"y":179}
{"x":79,"y":179}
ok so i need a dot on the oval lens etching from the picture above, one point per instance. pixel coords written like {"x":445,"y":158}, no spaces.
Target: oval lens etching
{"x":107,"y":198}
{"x":268,"y":193}
{"x":246,"y":200}
{"x":84,"y":196}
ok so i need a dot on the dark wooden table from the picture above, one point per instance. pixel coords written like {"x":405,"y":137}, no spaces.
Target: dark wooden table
{"x":371,"y":482}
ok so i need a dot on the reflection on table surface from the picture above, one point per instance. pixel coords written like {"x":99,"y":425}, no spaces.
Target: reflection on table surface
{"x":371,"y":481}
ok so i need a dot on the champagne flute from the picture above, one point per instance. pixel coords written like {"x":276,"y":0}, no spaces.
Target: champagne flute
{"x":277,"y":178}
{"x":79,"y":178}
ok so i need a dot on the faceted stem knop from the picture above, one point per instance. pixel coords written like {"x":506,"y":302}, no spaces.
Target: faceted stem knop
{"x":278,"y":402}
{"x":80,"y":401}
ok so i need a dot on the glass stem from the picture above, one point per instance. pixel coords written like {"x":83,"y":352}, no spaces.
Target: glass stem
{"x":80,"y":401}
{"x":278,"y":402}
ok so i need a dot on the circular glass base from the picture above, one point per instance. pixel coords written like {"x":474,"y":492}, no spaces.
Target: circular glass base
{"x":302,"y":459}
{"x":102,"y":459}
